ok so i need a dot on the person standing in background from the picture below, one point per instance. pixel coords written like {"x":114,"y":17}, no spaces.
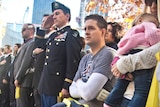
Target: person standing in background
{"x":113,"y":34}
{"x":23,"y":63}
{"x":1,"y":53}
{"x":16,"y":49}
{"x":153,"y":8}
{"x":4,"y":83}
{"x":10,"y":75}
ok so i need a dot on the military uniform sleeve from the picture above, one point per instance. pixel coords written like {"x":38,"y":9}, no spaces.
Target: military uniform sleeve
{"x":40,"y":41}
{"x":73,"y":57}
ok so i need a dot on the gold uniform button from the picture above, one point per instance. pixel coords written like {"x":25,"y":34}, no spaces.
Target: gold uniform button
{"x":57,"y":43}
{"x":74,"y":61}
{"x":57,"y":73}
{"x":47,"y":57}
{"x":48,"y":50}
{"x":50,"y":43}
{"x":45,"y":63}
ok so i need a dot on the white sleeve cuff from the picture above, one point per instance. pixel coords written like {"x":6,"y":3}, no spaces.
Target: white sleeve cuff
{"x":90,"y":89}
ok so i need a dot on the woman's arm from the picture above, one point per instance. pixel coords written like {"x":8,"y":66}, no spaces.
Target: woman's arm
{"x":142,"y":60}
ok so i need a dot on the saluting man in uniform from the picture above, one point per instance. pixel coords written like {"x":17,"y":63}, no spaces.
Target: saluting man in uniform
{"x":62,"y":56}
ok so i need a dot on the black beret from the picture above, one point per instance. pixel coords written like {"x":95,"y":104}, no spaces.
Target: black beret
{"x":57,"y":5}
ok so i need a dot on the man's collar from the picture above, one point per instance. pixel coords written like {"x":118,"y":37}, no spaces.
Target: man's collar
{"x":26,"y":40}
{"x":63,"y":26}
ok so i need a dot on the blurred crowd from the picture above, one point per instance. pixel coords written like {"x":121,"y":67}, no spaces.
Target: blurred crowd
{"x":53,"y":64}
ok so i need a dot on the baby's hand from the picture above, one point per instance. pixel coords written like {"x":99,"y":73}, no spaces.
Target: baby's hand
{"x":115,"y":71}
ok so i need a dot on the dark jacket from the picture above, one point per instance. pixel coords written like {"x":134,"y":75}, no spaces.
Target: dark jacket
{"x":22,"y":63}
{"x":5,"y":68}
{"x":112,"y":45}
{"x":38,"y":65}
{"x":61,"y":63}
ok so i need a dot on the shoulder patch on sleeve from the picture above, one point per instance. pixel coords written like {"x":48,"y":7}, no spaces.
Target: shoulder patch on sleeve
{"x":75,"y":33}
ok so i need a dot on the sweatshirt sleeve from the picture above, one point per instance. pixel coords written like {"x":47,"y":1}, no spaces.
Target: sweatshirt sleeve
{"x":152,"y":34}
{"x":143,"y":60}
{"x":84,"y":90}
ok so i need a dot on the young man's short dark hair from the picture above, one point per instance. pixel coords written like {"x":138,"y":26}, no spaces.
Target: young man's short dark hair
{"x":101,"y":22}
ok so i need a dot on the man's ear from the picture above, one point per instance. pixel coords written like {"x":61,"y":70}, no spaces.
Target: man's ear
{"x":68,"y":16}
{"x":104,"y":32}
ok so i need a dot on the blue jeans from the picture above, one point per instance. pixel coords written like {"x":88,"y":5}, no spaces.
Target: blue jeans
{"x":142,"y":82}
{"x":124,"y":102}
{"x":116,"y":95}
{"x":62,"y":104}
{"x":48,"y":101}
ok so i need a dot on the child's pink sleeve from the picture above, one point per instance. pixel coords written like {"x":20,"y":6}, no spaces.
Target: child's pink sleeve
{"x":152,"y":33}
{"x":115,"y":59}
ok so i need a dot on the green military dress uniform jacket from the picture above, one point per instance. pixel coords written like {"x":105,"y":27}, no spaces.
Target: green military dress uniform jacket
{"x":62,"y":59}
